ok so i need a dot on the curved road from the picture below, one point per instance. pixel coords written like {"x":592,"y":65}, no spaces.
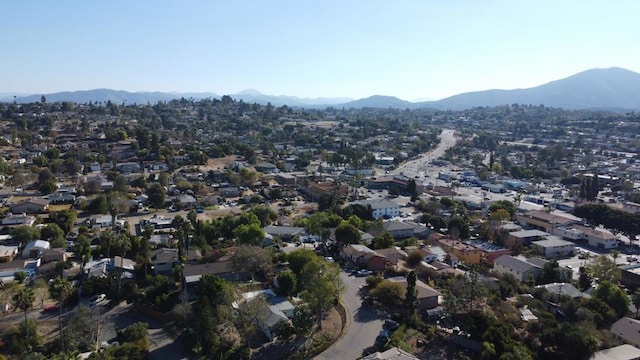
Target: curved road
{"x":363,"y":324}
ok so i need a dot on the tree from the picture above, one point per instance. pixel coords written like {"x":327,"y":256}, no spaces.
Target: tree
{"x":613,"y":296}
{"x":322,"y":286}
{"x":346,"y":233}
{"x":55,"y":235}
{"x":252,"y":259}
{"x":24,"y":234}
{"x":635,"y":298}
{"x":156,"y":194}
{"x":23,"y":299}
{"x":137,"y":334}
{"x":383,"y":241}
{"x":249,"y":234}
{"x":41,"y":291}
{"x":414,"y":259}
{"x":411,"y":297}
{"x":216,"y":290}
{"x":65,"y":219}
{"x":604,"y":269}
{"x":298,"y":259}
{"x":388,"y":293}
{"x":287,"y":283}
{"x":82,"y":250}
{"x":82,"y":326}
{"x":615,"y":254}
{"x":250,"y":313}
{"x":60,"y":290}
{"x":458,"y":228}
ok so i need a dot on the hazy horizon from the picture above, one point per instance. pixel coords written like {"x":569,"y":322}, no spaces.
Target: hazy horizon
{"x":408,"y":49}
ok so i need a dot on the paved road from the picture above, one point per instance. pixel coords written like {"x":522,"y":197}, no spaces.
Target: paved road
{"x":364,"y":324}
{"x":417,"y":166}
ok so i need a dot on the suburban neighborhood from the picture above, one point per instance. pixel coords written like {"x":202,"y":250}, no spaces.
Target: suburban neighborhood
{"x":219,"y":229}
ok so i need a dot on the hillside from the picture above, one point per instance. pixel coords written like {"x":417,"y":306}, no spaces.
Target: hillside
{"x":612,"y":88}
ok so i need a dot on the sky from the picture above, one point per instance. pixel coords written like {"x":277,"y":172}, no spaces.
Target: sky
{"x":421,"y":49}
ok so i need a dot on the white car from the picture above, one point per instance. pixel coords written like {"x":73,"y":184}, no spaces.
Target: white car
{"x":97,"y":299}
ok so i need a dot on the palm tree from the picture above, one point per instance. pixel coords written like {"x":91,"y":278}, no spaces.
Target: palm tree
{"x":615,"y":254}
{"x":23,"y":299}
{"x":60,"y":290}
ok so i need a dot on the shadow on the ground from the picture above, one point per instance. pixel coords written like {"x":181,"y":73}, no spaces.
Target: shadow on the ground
{"x":367,"y":314}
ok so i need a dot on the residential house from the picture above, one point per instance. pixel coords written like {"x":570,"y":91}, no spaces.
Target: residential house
{"x":392,"y":254}
{"x":30,"y":206}
{"x":157,"y":222}
{"x":279,"y":309}
{"x":628,"y":330}
{"x":8,"y":253}
{"x":631,"y":207}
{"x":229,"y":191}
{"x":490,"y":251}
{"x":382,"y":208}
{"x":128,"y":167}
{"x":630,"y":275}
{"x":61,"y":198}
{"x":103,"y":267}
{"x":522,"y":269}
{"x":102,"y":221}
{"x":54,"y":255}
{"x":285,"y":233}
{"x":599,"y":238}
{"x":34,"y":249}
{"x":428,"y":297}
{"x":362,"y":255}
{"x":186,"y":201}
{"x":223,"y":269}
{"x":554,"y":247}
{"x":18,"y":219}
{"x":315,"y":191}
{"x":405,"y":229}
{"x":267,"y":168}
{"x":566,"y":289}
{"x":163,"y":260}
{"x":8,"y":269}
{"x":286,"y":179}
{"x":392,"y":354}
{"x":461,"y":250}
{"x":524,"y":237}
{"x":620,"y":352}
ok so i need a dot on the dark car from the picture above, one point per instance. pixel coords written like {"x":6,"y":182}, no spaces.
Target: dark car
{"x":390,"y":325}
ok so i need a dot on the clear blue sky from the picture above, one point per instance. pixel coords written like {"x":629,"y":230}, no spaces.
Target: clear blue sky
{"x":410,"y":49}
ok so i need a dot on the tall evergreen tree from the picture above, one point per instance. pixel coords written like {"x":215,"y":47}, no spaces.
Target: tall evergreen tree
{"x":595,"y":187}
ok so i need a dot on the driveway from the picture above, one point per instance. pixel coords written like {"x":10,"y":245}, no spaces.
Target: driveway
{"x":364,"y":324}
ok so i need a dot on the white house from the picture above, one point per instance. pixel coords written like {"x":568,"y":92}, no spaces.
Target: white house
{"x":554,"y":247}
{"x":381,"y":208}
{"x":34,"y":249}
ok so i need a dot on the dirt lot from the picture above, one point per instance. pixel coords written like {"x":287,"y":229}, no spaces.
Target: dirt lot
{"x":219,"y":163}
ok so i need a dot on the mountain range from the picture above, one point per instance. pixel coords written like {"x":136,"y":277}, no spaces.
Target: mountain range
{"x":614,"y":89}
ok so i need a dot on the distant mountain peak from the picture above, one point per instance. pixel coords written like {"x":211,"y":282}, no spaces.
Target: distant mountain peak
{"x":250,"y":92}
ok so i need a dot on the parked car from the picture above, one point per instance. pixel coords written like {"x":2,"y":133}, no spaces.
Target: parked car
{"x":364,"y":272}
{"x":390,"y":325}
{"x":97,"y":299}
{"x":51,"y":308}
